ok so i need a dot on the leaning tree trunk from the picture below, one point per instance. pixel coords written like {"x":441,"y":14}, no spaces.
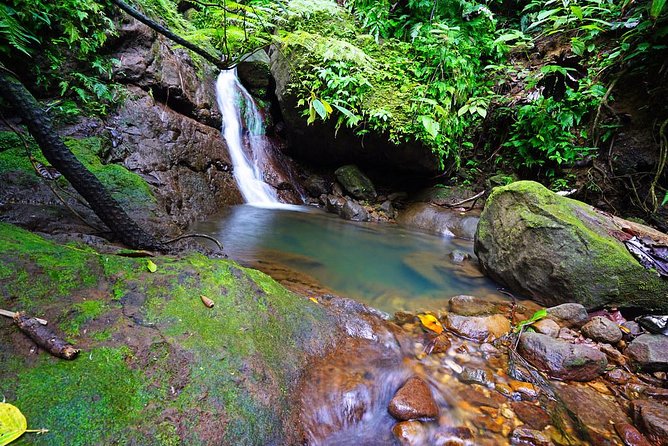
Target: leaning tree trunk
{"x":57,"y":153}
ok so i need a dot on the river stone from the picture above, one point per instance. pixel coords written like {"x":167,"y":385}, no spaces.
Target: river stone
{"x":354,"y":211}
{"x":439,"y":220}
{"x":413,"y":401}
{"x":572,"y":362}
{"x":570,"y":314}
{"x":355,"y":182}
{"x":555,"y":250}
{"x":471,"y":305}
{"x":602,"y":329}
{"x":479,"y":328}
{"x":649,"y":352}
{"x":524,"y":436}
{"x":476,"y":376}
{"x":547,"y":327}
{"x":410,"y":433}
{"x":652,"y":417}
{"x":630,"y":435}
{"x":532,"y":415}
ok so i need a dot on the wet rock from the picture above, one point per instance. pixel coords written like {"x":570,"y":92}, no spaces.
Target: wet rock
{"x":316,"y":185}
{"x":354,"y":211}
{"x":547,"y":327}
{"x":630,"y":435}
{"x":439,"y":220}
{"x":571,"y":315}
{"x":634,"y":329}
{"x":529,"y":437}
{"x":654,"y":323}
{"x":471,"y":305}
{"x":649,"y":352}
{"x":602,"y":329}
{"x":413,"y":401}
{"x":561,"y":359}
{"x":404,"y":317}
{"x":386,"y":206}
{"x":618,"y":376}
{"x":440,"y":344}
{"x":530,"y":414}
{"x":355,"y":182}
{"x":479,"y":328}
{"x":524,"y":388}
{"x":334,"y":203}
{"x":458,"y":256}
{"x":614,"y":355}
{"x":410,"y":433}
{"x":254,"y":73}
{"x":476,"y":376}
{"x":652,"y":418}
{"x":555,"y":250}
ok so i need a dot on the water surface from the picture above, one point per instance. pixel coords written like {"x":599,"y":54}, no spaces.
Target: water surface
{"x":383,"y":265}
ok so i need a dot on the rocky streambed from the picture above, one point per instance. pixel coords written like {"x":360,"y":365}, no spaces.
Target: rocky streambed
{"x":568,"y":378}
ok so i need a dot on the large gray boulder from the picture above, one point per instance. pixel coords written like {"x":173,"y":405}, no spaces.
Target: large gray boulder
{"x":555,"y":250}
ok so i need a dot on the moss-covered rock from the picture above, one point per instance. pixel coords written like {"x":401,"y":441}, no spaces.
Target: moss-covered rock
{"x":558,"y":250}
{"x":157,"y":366}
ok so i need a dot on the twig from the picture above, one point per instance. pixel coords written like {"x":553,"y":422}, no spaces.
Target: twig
{"x":13,"y":314}
{"x":208,"y":237}
{"x":459,"y":203}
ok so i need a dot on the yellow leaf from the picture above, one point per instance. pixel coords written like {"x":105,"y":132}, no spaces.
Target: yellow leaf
{"x":431,"y":323}
{"x":313,"y":299}
{"x":12,"y":423}
{"x":206,"y":301}
{"x":151,"y":266}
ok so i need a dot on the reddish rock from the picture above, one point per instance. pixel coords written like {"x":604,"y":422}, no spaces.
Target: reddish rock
{"x":571,"y":315}
{"x":602,"y":329}
{"x":410,"y":433}
{"x":651,"y":418}
{"x":413,"y":401}
{"x":475,"y":306}
{"x":630,"y":435}
{"x":547,"y":327}
{"x":532,"y":415}
{"x":479,"y":328}
{"x":529,"y":437}
{"x":573,"y":362}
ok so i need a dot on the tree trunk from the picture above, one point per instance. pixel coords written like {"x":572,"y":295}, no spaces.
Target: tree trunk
{"x":57,"y":153}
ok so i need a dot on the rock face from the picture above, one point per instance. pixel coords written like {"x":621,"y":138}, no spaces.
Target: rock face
{"x":355,"y":182}
{"x":557,"y":250}
{"x":602,"y":329}
{"x":413,"y":401}
{"x":573,"y":362}
{"x":649,"y":351}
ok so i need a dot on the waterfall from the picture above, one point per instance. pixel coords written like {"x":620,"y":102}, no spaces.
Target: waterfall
{"x":247,"y":166}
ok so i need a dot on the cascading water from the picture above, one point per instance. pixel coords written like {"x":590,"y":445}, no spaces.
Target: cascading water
{"x":247,"y":172}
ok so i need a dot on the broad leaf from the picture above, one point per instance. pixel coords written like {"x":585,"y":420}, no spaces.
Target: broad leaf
{"x":432,"y":127}
{"x":656,"y":7}
{"x":319,"y":107}
{"x":12,"y":423}
{"x":152,"y":267}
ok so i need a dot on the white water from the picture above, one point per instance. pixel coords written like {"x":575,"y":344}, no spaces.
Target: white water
{"x":229,"y":93}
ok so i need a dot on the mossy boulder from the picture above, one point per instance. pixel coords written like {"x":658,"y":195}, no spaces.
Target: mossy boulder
{"x":157,"y":367}
{"x":555,"y":250}
{"x":355,"y":182}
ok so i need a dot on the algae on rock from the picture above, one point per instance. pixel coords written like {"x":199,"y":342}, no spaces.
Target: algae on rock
{"x":555,"y":250}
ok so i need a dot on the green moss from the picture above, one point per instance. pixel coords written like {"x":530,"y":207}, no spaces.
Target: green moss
{"x":13,"y":156}
{"x":90,"y":400}
{"x":220,"y":360}
{"x":80,"y":314}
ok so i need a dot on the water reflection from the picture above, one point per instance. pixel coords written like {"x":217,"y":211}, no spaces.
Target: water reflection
{"x":385,"y":266}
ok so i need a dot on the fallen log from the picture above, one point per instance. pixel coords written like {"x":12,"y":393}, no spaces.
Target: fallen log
{"x":45,"y":337}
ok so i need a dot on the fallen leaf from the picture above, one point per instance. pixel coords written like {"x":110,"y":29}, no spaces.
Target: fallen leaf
{"x":206,"y":301}
{"x":12,"y":423}
{"x":152,"y":267}
{"x":431,"y":323}
{"x":313,"y":299}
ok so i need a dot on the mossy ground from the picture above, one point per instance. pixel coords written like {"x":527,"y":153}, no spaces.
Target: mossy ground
{"x":157,"y":366}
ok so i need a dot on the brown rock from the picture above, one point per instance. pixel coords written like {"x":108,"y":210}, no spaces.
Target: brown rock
{"x":630,"y":435}
{"x":475,"y":306}
{"x":652,"y":418}
{"x":602,"y":329}
{"x":410,"y":433}
{"x":529,"y":437}
{"x":440,"y":344}
{"x":562,"y":360}
{"x":547,"y":327}
{"x":649,"y":352}
{"x":479,"y":328}
{"x":594,"y":411}
{"x":571,"y":315}
{"x":530,"y":414}
{"x":413,"y":401}
{"x":614,"y":355}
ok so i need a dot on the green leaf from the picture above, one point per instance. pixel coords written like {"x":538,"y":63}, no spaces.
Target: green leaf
{"x":152,"y":267}
{"x":328,"y":108}
{"x":656,"y":7}
{"x":319,"y":107}
{"x":432,"y":127}
{"x":577,"y":11}
{"x":665,"y":199}
{"x":12,"y":423}
{"x":538,"y":315}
